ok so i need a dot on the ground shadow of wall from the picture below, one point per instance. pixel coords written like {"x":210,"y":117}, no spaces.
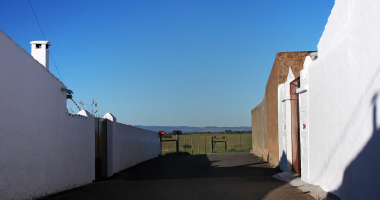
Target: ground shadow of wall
{"x":284,"y":162}
{"x":361,"y":178}
{"x":212,"y":176}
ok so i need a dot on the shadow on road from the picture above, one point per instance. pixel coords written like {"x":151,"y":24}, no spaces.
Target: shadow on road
{"x":199,"y":166}
{"x":212,"y":176}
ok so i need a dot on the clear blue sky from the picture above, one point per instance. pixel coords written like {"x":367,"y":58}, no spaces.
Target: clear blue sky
{"x":179,"y":62}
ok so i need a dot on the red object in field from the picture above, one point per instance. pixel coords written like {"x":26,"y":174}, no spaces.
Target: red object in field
{"x":161,"y":132}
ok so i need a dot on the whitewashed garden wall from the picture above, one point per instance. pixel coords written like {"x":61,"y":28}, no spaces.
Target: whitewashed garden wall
{"x":39,"y":141}
{"x":43,"y":149}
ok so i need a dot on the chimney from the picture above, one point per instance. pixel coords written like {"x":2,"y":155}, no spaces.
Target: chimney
{"x":40,"y":52}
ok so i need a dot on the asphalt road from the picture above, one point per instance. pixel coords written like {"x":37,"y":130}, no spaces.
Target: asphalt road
{"x":211,"y":176}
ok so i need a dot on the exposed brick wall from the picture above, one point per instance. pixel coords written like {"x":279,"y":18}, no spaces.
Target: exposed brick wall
{"x":277,"y":76}
{"x":259,"y":131}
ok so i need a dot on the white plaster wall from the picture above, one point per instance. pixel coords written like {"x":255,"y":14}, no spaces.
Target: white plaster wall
{"x":42,"y":54}
{"x":344,"y":83}
{"x":42,"y":150}
{"x":284,"y":123}
{"x":110,"y":147}
{"x":282,"y":128}
{"x":132,"y":145}
{"x":303,"y":101}
{"x":288,"y":117}
{"x":78,"y":152}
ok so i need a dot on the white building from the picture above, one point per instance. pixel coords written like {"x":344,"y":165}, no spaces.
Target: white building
{"x":338,"y":105}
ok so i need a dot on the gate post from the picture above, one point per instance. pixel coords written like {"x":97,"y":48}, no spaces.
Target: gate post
{"x":212,"y":145}
{"x":177,"y":144}
{"x":225,"y":144}
{"x":240,"y":141}
{"x":198,"y":145}
{"x":184,"y":138}
{"x":205,"y":146}
{"x":161,"y":144}
{"x":192,"y":153}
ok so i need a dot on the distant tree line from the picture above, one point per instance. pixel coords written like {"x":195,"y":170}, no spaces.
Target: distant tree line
{"x":176,"y":132}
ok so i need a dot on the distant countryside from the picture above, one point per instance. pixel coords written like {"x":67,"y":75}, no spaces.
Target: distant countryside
{"x":200,"y":142}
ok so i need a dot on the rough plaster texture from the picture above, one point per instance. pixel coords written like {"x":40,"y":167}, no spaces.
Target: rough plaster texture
{"x":344,"y":88}
{"x":259,"y":131}
{"x":285,"y":59}
{"x":42,"y":148}
{"x":271,"y":115}
{"x":278,"y":76}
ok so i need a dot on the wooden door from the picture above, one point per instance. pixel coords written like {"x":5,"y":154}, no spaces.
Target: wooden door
{"x":296,"y":154}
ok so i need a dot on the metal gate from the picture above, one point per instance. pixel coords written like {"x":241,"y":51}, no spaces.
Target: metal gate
{"x":100,"y":149}
{"x":296,"y":154}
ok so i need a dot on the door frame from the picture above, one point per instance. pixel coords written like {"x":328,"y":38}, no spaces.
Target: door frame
{"x":295,"y":132}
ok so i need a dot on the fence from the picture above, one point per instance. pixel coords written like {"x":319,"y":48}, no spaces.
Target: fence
{"x":201,"y":143}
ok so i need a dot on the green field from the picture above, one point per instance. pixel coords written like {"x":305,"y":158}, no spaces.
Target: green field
{"x":189,"y":143}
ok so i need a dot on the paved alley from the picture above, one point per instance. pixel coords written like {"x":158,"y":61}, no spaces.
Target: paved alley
{"x":211,"y":176}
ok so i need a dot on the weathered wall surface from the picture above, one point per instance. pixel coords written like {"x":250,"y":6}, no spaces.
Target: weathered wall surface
{"x":272,"y":113}
{"x":285,"y":59}
{"x":344,"y":88}
{"x":278,"y":76}
{"x":42,"y":149}
{"x":259,"y":131}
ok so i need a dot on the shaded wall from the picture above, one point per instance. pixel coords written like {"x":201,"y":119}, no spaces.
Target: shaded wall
{"x":43,"y":149}
{"x":259,"y":131}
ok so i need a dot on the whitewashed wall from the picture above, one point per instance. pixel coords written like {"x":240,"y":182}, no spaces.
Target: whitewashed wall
{"x":303,"y":104}
{"x":42,"y":149}
{"x":344,"y":85}
{"x":282,"y":127}
{"x":284,"y":121}
{"x":131,"y":145}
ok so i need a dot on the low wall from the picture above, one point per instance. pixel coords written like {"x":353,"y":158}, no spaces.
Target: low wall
{"x":259,"y":131}
{"x":133,"y":145}
{"x":128,"y":145}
